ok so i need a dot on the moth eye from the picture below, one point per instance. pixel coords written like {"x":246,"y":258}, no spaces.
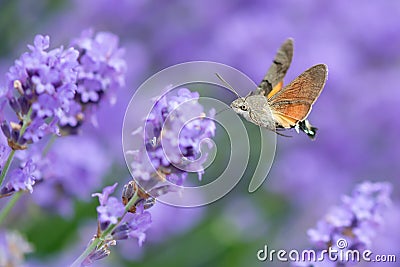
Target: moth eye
{"x":243,"y":107}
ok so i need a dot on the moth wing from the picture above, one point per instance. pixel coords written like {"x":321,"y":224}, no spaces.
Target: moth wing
{"x":276,"y":88}
{"x":283,"y":120}
{"x":293,"y":103}
{"x":277,"y":70}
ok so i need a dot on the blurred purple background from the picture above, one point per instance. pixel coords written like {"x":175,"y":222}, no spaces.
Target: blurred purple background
{"x":357,"y":113}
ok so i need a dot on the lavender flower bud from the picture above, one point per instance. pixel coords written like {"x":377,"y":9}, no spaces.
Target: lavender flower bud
{"x":96,"y":255}
{"x":128,"y":191}
{"x":18,"y":86}
{"x":15,"y":105}
{"x":15,"y":135}
{"x":6,"y":129}
{"x":24,"y":104}
{"x":121,"y":232}
{"x":145,"y":199}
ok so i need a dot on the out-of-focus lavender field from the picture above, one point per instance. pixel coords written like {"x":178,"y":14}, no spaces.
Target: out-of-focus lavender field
{"x":357,"y":115}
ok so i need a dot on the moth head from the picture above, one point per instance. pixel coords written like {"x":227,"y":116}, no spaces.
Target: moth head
{"x":240,"y":106}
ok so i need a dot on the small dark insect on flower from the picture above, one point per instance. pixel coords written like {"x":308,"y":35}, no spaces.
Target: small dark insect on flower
{"x":128,"y":192}
{"x":148,"y":199}
{"x":130,"y":189}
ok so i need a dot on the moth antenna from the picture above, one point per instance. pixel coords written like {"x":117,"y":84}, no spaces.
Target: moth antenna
{"x":228,"y":85}
{"x":222,"y":111}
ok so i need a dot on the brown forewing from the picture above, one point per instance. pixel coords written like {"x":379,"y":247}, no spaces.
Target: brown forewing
{"x":296,"y":99}
{"x":278,"y":69}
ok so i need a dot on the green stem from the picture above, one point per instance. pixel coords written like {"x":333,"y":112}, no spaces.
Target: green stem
{"x":97,"y":242}
{"x":25,"y":122}
{"x":130,"y":203}
{"x":88,"y":250}
{"x":4,"y":212}
{"x":6,"y":166}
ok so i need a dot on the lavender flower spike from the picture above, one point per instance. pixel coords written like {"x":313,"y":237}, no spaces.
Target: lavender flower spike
{"x":173,"y":132}
{"x":47,"y":91}
{"x":45,"y":83}
{"x":181,"y":119}
{"x":356,"y":220}
{"x":125,"y":226}
{"x":61,"y":87}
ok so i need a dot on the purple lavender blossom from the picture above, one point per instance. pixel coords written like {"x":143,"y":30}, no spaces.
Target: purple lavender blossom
{"x":47,"y":79}
{"x":59,"y":84}
{"x":135,"y":225}
{"x":31,"y":170}
{"x":139,"y":224}
{"x":103,"y":197}
{"x":358,"y":212}
{"x":45,"y":72}
{"x":101,"y":72}
{"x":356,"y":220}
{"x":110,"y":209}
{"x":102,"y":68}
{"x":127,"y":226}
{"x":39,"y":128}
{"x":174,"y":129}
{"x":46,"y":82}
{"x":57,"y":173}
{"x":23,"y":178}
{"x":27,"y":174}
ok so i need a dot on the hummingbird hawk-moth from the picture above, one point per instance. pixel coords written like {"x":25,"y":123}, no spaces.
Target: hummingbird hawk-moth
{"x":276,"y":107}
